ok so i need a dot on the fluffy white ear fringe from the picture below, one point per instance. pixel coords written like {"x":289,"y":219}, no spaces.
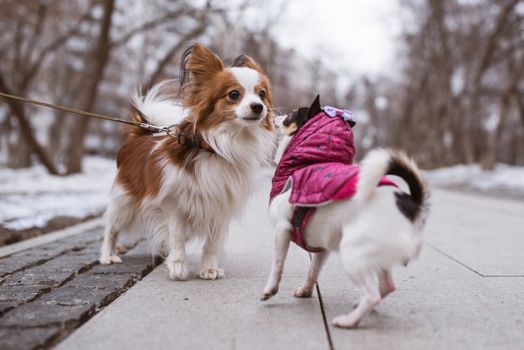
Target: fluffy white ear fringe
{"x":160,"y":109}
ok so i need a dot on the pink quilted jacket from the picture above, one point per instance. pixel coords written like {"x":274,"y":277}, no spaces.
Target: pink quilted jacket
{"x":317,"y":164}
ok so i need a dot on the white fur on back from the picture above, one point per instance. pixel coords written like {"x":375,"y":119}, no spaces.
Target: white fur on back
{"x":160,"y":110}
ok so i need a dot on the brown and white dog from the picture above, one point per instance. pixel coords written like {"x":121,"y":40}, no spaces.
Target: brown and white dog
{"x":376,"y":229}
{"x":191,"y":186}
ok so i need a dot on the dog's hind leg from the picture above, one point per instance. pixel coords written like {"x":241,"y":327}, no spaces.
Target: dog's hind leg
{"x":369,"y":298}
{"x":386,"y":283}
{"x":108,"y":253}
{"x":281,"y":247}
{"x":355,"y":259}
{"x":118,"y":217}
{"x":317,"y":262}
{"x":175,"y":261}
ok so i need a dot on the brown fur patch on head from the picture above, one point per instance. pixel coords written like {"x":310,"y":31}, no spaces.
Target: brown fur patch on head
{"x":222,"y":107}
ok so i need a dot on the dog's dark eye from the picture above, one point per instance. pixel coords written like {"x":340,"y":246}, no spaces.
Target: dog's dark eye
{"x":234,"y":95}
{"x":262,"y":94}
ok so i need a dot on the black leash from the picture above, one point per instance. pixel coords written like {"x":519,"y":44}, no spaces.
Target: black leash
{"x":149,"y":127}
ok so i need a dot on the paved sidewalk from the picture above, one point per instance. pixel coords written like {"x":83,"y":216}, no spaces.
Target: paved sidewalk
{"x":49,"y":290}
{"x":465,"y":292}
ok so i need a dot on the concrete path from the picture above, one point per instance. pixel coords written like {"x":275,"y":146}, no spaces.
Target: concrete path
{"x":465,"y":292}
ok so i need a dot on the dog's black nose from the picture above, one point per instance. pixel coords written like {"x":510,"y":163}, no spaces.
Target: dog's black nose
{"x":286,"y":122}
{"x":257,"y":107}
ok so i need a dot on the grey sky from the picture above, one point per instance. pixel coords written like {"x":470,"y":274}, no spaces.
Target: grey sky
{"x":355,"y":36}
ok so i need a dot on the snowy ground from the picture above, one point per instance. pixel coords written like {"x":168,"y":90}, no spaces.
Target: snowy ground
{"x":31,"y":197}
{"x":503,"y":181}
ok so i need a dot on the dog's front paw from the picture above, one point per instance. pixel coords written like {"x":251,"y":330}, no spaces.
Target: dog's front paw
{"x":303,"y":292}
{"x":345,"y":321}
{"x":109,"y":259}
{"x":211,"y":273}
{"x":178,"y":270}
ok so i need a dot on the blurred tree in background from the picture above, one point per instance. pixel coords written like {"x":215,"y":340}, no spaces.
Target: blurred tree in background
{"x":458,"y":97}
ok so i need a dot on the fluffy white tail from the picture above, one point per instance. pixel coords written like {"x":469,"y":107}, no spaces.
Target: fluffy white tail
{"x":159,"y":109}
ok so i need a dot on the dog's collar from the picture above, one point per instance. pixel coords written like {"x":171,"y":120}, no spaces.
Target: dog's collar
{"x":193,"y":142}
{"x":189,"y":141}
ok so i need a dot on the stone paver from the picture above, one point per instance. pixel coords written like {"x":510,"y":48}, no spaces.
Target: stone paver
{"x":49,"y":290}
{"x":38,"y":278}
{"x":44,"y":253}
{"x":38,"y":314}
{"x":21,"y":293}
{"x":27,"y":338}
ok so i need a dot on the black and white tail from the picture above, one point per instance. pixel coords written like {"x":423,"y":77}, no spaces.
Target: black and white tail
{"x":380,"y":162}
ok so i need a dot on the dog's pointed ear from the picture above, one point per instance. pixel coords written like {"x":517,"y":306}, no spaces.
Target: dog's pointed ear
{"x":315,"y":108}
{"x":246,"y":61}
{"x":199,"y":62}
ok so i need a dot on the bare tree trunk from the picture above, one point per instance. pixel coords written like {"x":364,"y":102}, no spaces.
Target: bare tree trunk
{"x":18,"y":153}
{"x":519,"y":100}
{"x":101,"y":58}
{"x":490,"y":158}
{"x":485,"y":62}
{"x":448,"y":115}
{"x":25,"y":129}
{"x":55,"y":134}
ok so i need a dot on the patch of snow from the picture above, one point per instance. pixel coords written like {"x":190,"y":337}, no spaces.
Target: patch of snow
{"x":31,"y":197}
{"x":504,"y":176}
